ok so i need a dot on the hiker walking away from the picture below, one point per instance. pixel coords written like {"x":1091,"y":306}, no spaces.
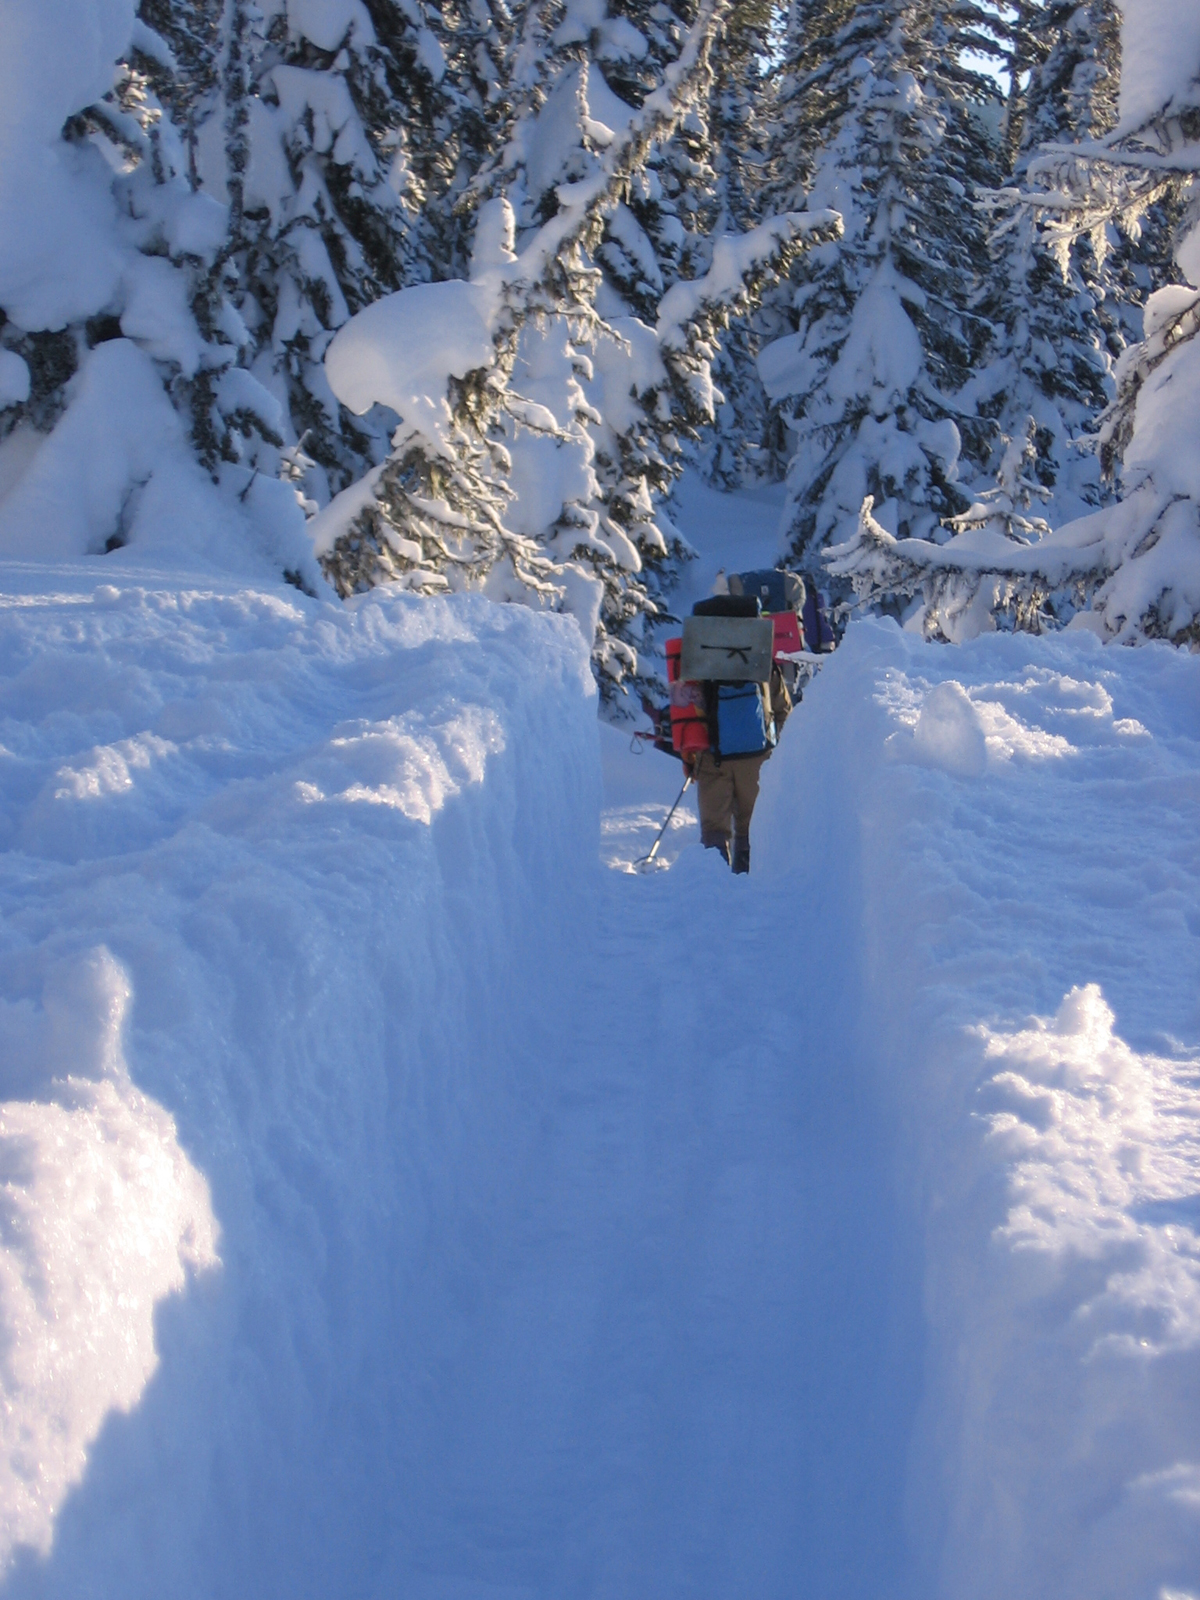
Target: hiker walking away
{"x":728,"y":702}
{"x":727,"y":785}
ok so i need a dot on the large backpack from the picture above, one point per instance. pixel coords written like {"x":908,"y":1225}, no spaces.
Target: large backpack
{"x":727,"y":650}
{"x":739,"y":719}
{"x":731,"y":719}
{"x":775,"y":589}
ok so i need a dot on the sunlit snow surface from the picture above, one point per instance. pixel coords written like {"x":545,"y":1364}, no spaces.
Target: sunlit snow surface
{"x":640,"y":787}
{"x":101,"y":1215}
{"x":397,"y":1202}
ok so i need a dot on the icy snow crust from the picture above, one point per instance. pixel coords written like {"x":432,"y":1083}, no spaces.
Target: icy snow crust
{"x":396,"y":1202}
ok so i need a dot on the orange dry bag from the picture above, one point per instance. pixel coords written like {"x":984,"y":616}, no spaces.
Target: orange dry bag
{"x":689,"y":728}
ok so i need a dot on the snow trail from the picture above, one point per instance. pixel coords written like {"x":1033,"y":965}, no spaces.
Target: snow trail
{"x":699,"y":1363}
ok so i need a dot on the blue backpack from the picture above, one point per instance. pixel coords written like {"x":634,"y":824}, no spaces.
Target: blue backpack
{"x":742,"y":726}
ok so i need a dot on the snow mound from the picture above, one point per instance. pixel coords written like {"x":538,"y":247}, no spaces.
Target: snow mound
{"x":949,"y":733}
{"x":401,"y":351}
{"x":59,"y":259}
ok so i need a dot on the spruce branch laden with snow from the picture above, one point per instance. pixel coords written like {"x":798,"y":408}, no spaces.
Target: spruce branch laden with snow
{"x":550,"y":276}
{"x":602,"y":406}
{"x":946,"y":594}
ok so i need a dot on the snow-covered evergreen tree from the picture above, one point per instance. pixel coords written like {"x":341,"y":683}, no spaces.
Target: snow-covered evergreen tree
{"x":1071,"y":52}
{"x":1122,"y":254}
{"x":143,"y":290}
{"x":881,"y":121}
{"x":603,"y":296}
{"x":228,"y":186}
{"x":1132,"y":570}
{"x":329,"y":142}
{"x":741,"y":115}
{"x":572,"y":149}
{"x":1048,"y":378}
{"x":276,"y":170}
{"x":1068,"y":301}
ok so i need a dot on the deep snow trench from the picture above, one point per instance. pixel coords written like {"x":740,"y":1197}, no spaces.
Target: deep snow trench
{"x":695,"y":1367}
{"x":398,"y":1198}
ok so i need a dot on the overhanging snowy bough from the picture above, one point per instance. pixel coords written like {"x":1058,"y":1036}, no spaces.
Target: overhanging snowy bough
{"x":536,"y":433}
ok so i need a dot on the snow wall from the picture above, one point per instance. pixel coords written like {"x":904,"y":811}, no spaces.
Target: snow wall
{"x":288,"y":896}
{"x":1001,"y":844}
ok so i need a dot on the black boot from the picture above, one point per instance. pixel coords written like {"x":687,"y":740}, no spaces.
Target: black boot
{"x":741,"y":855}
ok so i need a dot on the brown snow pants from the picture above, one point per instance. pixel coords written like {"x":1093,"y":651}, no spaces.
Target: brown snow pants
{"x":726,"y":794}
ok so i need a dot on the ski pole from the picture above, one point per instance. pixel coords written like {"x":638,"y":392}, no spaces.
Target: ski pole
{"x":644,"y":861}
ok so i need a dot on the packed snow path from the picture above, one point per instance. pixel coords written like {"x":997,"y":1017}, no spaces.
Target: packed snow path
{"x":694,"y":1367}
{"x":396,"y":1201}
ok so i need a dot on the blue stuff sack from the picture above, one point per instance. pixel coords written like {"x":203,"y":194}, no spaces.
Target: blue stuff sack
{"x":776,"y":589}
{"x":742,"y":725}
